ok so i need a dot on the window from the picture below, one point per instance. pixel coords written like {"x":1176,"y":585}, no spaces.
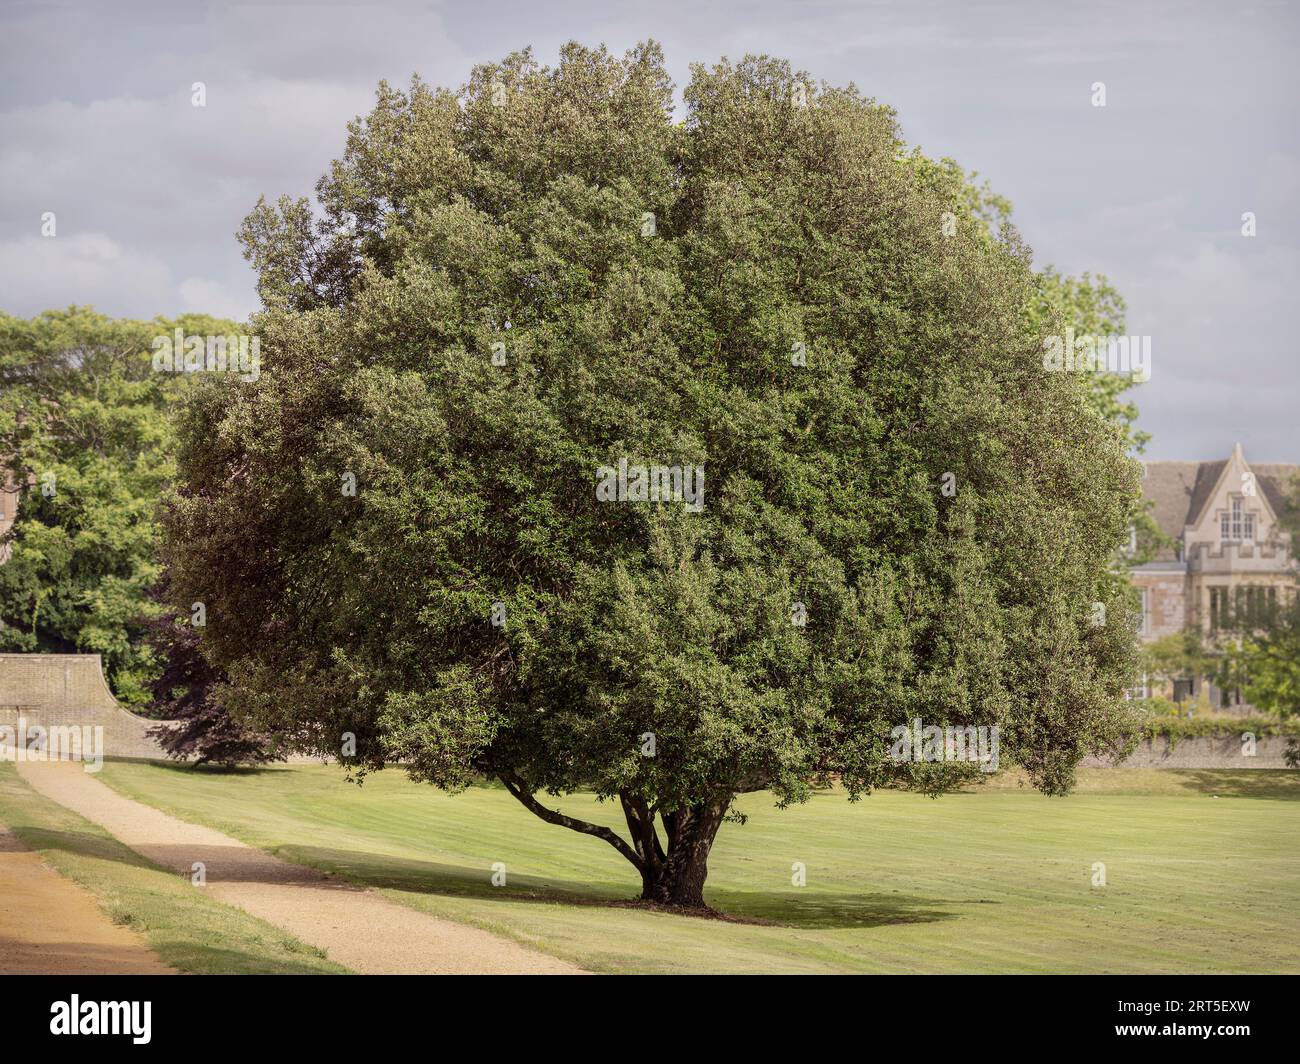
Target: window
{"x":1219,"y":608}
{"x":1144,"y":619}
{"x":1235,"y":525}
{"x":1246,"y":607}
{"x":1255,"y":605}
{"x":1143,"y":690}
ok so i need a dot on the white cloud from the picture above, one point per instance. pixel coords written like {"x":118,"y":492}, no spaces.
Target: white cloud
{"x":210,"y":297}
{"x":140,"y":178}
{"x":46,"y":273}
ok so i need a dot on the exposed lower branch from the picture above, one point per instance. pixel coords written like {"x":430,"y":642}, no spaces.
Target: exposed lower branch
{"x":551,"y":816}
{"x":641,"y":823}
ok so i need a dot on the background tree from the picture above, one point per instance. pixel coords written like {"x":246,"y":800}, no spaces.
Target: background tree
{"x":1088,"y":304}
{"x":187,"y":694}
{"x":1178,"y":655}
{"x":83,"y":414}
{"x":1093,"y":306}
{"x":397,"y":533}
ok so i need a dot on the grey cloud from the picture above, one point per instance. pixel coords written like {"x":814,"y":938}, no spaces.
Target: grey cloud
{"x":1201,"y":124}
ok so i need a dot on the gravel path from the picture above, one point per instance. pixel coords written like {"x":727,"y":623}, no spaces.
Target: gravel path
{"x":51,"y":926}
{"x":357,"y":928}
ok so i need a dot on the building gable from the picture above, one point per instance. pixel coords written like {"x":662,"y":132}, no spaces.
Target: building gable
{"x":1187,"y":499}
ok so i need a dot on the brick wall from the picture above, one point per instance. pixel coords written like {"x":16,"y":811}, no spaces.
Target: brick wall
{"x":51,"y":690}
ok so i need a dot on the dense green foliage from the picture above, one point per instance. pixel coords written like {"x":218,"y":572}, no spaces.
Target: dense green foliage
{"x":1090,"y":305}
{"x":84,"y":423}
{"x":1269,"y":659}
{"x":187,"y":695}
{"x":1166,"y":719}
{"x":649,"y":289}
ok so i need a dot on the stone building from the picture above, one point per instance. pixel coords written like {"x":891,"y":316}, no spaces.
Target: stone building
{"x":1229,"y":552}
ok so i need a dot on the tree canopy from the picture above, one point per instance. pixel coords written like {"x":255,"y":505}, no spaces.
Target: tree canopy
{"x":397,"y":531}
{"x":85,"y":429}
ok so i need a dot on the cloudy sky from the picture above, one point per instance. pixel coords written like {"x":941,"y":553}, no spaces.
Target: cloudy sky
{"x":1200,"y":126}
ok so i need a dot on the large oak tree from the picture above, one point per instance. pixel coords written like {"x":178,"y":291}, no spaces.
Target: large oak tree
{"x":510,"y":286}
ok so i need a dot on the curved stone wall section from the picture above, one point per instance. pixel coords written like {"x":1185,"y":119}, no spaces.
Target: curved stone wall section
{"x":69,"y":690}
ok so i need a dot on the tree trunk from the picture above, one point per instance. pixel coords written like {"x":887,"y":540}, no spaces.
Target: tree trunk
{"x":673,"y":876}
{"x":678,"y":879}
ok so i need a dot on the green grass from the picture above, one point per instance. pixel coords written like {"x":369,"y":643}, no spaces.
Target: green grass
{"x":187,"y":929}
{"x":1203,"y":871}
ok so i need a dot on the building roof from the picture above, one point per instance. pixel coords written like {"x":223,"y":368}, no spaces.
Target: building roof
{"x":1274,"y":480}
{"x":1178,"y":491}
{"x":1170,"y":487}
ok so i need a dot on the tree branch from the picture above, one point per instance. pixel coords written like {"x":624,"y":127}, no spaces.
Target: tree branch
{"x":641,"y":822}
{"x":551,"y":816}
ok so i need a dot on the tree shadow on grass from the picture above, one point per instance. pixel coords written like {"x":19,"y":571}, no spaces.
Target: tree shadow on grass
{"x":827,"y":911}
{"x":792,"y":908}
{"x":384,"y":872}
{"x":190,"y":769}
{"x":1246,"y":783}
{"x":795,"y":909}
{"x":202,"y":959}
{"x":79,"y":843}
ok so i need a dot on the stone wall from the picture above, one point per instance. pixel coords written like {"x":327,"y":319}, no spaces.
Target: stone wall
{"x":52,"y":690}
{"x":1166,"y":602}
{"x":1208,"y":751}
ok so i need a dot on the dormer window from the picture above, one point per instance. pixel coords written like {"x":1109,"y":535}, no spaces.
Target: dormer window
{"x":1236,"y":525}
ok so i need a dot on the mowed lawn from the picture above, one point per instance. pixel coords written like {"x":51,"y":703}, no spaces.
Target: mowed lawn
{"x":1202,"y":871}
